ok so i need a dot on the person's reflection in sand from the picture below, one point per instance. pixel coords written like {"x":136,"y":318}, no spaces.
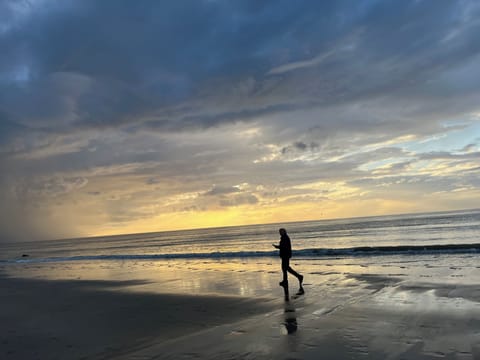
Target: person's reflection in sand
{"x":289,"y":326}
{"x":286,"y":293}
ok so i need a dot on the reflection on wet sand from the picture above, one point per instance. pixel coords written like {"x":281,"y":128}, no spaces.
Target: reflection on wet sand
{"x":290,"y":323}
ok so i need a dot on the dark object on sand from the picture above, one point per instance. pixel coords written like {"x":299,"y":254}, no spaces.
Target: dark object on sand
{"x":25,"y":255}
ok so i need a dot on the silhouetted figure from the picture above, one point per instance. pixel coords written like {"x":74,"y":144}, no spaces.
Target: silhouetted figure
{"x":285,"y":248}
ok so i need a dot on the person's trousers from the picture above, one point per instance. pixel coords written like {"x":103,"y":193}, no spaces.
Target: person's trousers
{"x":287,"y":268}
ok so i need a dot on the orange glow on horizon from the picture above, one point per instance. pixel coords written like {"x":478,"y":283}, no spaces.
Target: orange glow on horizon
{"x":251,"y":215}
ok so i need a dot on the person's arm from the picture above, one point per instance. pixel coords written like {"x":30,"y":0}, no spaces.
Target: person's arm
{"x":276,"y":246}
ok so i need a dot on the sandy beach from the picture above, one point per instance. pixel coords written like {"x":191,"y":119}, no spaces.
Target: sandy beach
{"x":352,"y":309}
{"x":44,"y":319}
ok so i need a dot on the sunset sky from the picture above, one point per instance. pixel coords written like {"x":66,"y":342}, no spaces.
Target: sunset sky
{"x":135,"y":116}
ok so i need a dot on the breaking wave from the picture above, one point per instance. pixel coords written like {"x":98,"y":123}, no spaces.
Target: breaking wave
{"x":303,"y":253}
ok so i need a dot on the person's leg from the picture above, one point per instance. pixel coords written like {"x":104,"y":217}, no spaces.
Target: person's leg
{"x":297,"y":275}
{"x":285,"y":266}
{"x":293,"y":272}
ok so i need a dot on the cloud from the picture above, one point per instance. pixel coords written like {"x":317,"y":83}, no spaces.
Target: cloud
{"x":300,"y":64}
{"x":299,"y":146}
{"x":221,"y":190}
{"x":132,"y":104}
{"x":89,"y":77}
{"x":239,"y":200}
{"x":447,"y":155}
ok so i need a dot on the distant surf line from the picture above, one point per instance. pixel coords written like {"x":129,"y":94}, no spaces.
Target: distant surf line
{"x":302,"y":253}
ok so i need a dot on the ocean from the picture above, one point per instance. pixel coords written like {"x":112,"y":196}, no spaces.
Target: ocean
{"x":409,"y":235}
{"x":396,"y":285}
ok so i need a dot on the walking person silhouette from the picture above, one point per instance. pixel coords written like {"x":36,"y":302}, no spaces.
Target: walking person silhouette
{"x":285,"y":247}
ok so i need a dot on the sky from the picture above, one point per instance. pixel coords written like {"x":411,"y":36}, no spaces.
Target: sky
{"x":134,"y":116}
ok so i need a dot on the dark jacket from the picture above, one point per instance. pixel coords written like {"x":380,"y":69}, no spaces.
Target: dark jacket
{"x":285,"y":247}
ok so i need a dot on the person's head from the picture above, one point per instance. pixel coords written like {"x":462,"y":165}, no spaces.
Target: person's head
{"x":282,"y":232}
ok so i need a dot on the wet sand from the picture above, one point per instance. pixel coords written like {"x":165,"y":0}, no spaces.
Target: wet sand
{"x":382,"y":320}
{"x":55,"y":319}
{"x":390,"y":308}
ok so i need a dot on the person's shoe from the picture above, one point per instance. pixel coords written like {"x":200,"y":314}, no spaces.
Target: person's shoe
{"x":300,"y":280}
{"x":283,"y":283}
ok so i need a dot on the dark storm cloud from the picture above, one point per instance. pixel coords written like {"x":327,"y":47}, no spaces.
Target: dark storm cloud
{"x":206,"y":120}
{"x":110,"y":63}
{"x":9,"y":130}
